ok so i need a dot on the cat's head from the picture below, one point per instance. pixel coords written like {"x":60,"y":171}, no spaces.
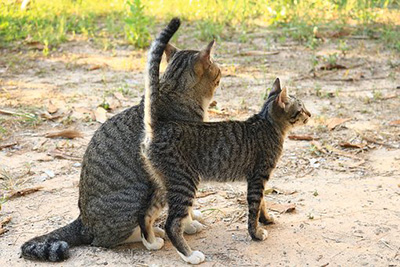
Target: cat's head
{"x":192,"y":73}
{"x":286,"y":109}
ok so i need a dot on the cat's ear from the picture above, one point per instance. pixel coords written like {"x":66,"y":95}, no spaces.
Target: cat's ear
{"x":170,"y":51}
{"x":276,"y":88}
{"x":204,"y":58}
{"x":282,"y":98}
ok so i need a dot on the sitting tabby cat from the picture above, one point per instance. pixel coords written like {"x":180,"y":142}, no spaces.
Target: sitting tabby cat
{"x":115,"y":191}
{"x":180,"y":154}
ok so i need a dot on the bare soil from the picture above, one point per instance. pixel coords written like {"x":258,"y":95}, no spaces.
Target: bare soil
{"x":347,"y":199}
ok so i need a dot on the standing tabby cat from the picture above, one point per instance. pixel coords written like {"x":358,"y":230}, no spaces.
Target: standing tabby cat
{"x":182,"y":153}
{"x":115,"y":191}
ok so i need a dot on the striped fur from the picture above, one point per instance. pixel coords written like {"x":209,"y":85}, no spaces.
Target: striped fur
{"x":115,"y":189}
{"x":223,"y":151}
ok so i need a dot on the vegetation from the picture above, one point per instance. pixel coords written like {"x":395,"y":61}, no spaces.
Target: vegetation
{"x":53,"y":22}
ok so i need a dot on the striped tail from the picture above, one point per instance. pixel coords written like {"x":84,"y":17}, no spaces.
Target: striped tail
{"x":152,"y":75}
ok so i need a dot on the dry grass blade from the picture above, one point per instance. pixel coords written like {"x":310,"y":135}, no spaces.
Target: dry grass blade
{"x":258,"y":53}
{"x":5,"y":221}
{"x":303,"y":137}
{"x":60,"y":155}
{"x":70,"y":134}
{"x":204,"y":194}
{"x":23,"y":192}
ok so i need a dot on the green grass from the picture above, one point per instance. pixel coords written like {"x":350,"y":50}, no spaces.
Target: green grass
{"x":57,"y":21}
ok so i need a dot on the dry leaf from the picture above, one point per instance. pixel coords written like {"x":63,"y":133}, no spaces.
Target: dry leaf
{"x":70,"y":134}
{"x":284,"y":192}
{"x":119,"y":96}
{"x":332,"y":123}
{"x":5,"y":221}
{"x":3,"y":230}
{"x":350,"y":145}
{"x":8,"y":145}
{"x":396,"y":122}
{"x":281,"y":208}
{"x":23,"y":192}
{"x":100,"y":115}
{"x":330,"y":66}
{"x":51,"y":108}
{"x":94,"y":67}
{"x":303,"y":137}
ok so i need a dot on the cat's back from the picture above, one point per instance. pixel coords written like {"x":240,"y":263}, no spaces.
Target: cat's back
{"x":112,"y":159}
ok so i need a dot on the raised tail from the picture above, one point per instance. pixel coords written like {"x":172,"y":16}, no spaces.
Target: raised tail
{"x":55,"y":245}
{"x":152,"y":74}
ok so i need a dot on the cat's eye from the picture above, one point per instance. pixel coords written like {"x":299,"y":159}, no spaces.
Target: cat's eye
{"x":296,"y":114}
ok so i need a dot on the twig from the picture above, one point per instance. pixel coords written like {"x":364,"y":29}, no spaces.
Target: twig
{"x":368,"y":139}
{"x":24,"y":192}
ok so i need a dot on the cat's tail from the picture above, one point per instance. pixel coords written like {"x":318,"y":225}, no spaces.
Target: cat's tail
{"x":55,"y":245}
{"x":152,"y":74}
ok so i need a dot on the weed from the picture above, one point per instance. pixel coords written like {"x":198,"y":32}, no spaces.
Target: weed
{"x":376,"y":95}
{"x":137,"y":25}
{"x":343,"y":47}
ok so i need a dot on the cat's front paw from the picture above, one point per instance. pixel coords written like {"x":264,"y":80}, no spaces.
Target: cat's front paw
{"x":260,"y":234}
{"x":156,"y":245}
{"x":197,"y":215}
{"x":195,"y":258}
{"x":159,"y":232}
{"x":193,"y":227}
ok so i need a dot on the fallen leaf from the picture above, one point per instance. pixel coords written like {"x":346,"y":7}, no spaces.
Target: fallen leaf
{"x":3,"y":230}
{"x":350,"y":145}
{"x":94,"y":67}
{"x":281,"y":208}
{"x":213,"y":104}
{"x":396,"y":122}
{"x":5,"y":221}
{"x":48,"y":116}
{"x":332,"y":123}
{"x":204,"y":194}
{"x":330,"y":66}
{"x":269,"y":190}
{"x":70,"y":134}
{"x":100,"y":115}
{"x":303,"y":137}
{"x":119,"y":96}
{"x":8,"y":145}
{"x":284,"y":192}
{"x":51,"y":108}
{"x":23,"y":192}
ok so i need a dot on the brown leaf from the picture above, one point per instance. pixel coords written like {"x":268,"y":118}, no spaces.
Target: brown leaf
{"x":70,"y":134}
{"x":281,"y":208}
{"x":332,"y":123}
{"x":303,"y":137}
{"x":8,"y":145}
{"x":3,"y":230}
{"x":47,"y":116}
{"x":119,"y":96}
{"x":330,"y":66}
{"x":396,"y":122}
{"x":100,"y":114}
{"x":94,"y":67}
{"x":5,"y":221}
{"x":350,"y":145}
{"x":23,"y":192}
{"x":51,"y":108}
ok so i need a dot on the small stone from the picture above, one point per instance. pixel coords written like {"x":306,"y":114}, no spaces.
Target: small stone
{"x":77,"y":164}
{"x":50,"y":173}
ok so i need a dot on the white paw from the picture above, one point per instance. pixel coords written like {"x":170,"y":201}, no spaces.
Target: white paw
{"x":193,"y":227}
{"x":156,"y":245}
{"x":197,"y":215}
{"x":195,"y":258}
{"x":159,"y":232}
{"x":261,"y":234}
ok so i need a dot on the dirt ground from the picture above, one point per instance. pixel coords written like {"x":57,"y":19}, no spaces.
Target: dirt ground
{"x":345,"y":184}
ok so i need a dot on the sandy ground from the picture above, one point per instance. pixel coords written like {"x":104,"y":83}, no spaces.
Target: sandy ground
{"x":347,"y":199}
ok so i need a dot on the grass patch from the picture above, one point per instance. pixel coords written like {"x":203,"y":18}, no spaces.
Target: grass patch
{"x":54,"y":22}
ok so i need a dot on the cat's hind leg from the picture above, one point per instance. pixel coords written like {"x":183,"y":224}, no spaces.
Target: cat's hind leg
{"x":191,"y":225}
{"x":265,"y":218}
{"x":148,"y":232}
